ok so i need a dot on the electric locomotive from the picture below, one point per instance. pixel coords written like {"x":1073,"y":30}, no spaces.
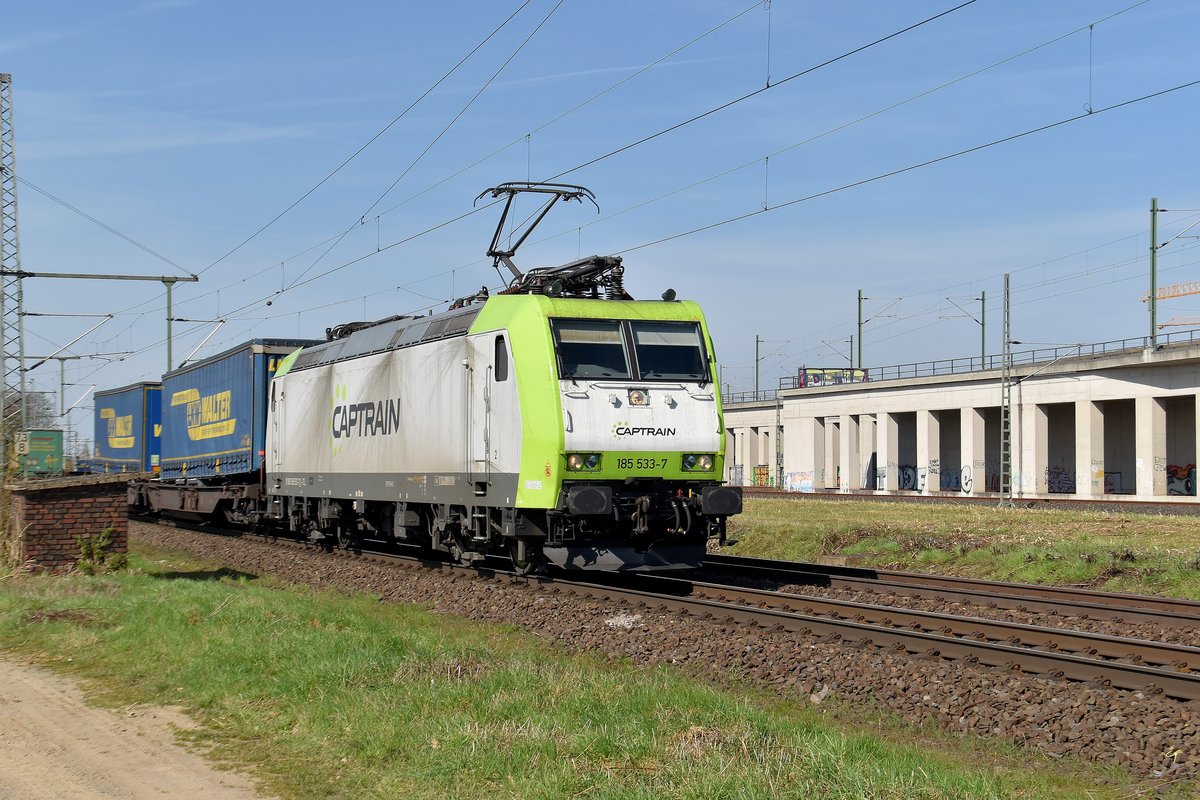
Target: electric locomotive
{"x":551,"y":425}
{"x":559,"y":422}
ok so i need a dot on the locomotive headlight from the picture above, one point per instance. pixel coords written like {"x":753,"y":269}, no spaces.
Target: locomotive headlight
{"x":697,"y":462}
{"x":638,"y":398}
{"x":583,"y":462}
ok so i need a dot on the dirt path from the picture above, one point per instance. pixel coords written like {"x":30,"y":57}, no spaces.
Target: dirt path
{"x":53,"y":745}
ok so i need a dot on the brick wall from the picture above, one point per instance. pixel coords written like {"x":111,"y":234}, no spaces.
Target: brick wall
{"x":47,"y":518}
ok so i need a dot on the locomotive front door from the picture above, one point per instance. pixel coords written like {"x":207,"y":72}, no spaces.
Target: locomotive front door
{"x":479,"y":385}
{"x":275,"y":412}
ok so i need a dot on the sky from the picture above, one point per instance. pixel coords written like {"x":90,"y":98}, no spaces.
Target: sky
{"x":317,"y":163}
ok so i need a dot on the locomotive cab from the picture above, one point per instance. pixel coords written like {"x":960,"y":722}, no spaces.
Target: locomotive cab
{"x":642,"y":450}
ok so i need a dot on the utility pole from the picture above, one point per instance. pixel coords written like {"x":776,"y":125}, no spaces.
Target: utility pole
{"x":983,"y":330}
{"x":860,"y":324}
{"x":756,"y":342}
{"x":1154,"y":209}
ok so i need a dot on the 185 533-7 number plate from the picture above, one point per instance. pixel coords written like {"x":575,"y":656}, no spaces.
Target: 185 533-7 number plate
{"x":642,"y":464}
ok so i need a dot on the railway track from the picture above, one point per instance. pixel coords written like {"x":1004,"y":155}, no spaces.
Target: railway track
{"x":1172,"y":507}
{"x":1056,"y":600}
{"x":1121,"y":662}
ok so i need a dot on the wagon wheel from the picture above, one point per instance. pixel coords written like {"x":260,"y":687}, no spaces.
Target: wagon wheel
{"x":345,"y":538}
{"x":527,"y":563}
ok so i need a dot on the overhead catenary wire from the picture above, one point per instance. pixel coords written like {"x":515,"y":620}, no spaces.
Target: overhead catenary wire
{"x":340,"y":237}
{"x":911,"y":167}
{"x":446,"y":75}
{"x":337,"y":238}
{"x":434,"y":142}
{"x":105,"y":226}
{"x":756,"y":92}
{"x":928,"y":162}
{"x":848,"y":124}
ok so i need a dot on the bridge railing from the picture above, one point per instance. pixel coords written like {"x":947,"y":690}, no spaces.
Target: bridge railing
{"x":957,"y":366}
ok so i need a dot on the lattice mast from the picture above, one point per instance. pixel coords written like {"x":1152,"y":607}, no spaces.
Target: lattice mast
{"x":12,"y":304}
{"x":1006,"y":384}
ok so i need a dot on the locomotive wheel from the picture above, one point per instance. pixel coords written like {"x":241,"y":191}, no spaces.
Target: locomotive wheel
{"x":344,"y":538}
{"x":526,"y":560}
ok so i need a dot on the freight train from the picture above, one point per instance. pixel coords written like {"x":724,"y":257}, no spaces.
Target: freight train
{"x":558,"y":422}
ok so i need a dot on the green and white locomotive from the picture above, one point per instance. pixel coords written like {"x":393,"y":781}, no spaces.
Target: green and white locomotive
{"x":557,"y":422}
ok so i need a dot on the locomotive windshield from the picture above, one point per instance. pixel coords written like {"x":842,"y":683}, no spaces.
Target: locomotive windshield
{"x":591,"y":349}
{"x":669,"y":351}
{"x":662,"y":351}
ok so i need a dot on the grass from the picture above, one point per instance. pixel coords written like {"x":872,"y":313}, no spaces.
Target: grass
{"x":1115,"y":551}
{"x":322,"y":694}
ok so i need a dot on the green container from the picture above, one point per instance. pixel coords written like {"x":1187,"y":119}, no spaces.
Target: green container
{"x":43,"y":453}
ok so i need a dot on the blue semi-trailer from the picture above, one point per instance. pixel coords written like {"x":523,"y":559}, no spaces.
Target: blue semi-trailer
{"x":127,"y":425}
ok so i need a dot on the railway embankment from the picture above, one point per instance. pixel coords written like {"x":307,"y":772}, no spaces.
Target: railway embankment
{"x":1116,"y":550}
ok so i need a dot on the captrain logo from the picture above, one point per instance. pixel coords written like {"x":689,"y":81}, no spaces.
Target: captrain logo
{"x":370,"y":418}
{"x":622,"y":430}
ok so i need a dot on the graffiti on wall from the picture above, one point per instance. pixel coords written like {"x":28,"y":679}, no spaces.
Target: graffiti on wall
{"x":1181,"y":479}
{"x":762,"y":475}
{"x":910,"y":478}
{"x":1060,"y":480}
{"x":816,"y":376}
{"x":800,"y":482}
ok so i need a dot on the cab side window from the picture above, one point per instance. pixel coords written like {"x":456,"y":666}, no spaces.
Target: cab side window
{"x":501,"y":360}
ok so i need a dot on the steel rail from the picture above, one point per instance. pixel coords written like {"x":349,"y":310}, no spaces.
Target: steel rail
{"x":1085,"y":603}
{"x":1122,"y":675}
{"x":1139,"y":651}
{"x":1172,"y":507}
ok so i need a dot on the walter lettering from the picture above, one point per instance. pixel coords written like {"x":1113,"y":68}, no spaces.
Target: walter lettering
{"x":379,"y":418}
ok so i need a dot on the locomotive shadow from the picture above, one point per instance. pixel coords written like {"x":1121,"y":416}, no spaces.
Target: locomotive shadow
{"x":223,"y":573}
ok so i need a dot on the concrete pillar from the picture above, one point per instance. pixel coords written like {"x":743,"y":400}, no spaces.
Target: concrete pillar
{"x":752,"y":447}
{"x":851,"y":464}
{"x":1196,"y":461}
{"x":799,"y":449}
{"x":742,"y":435}
{"x":730,"y":453}
{"x":929,"y":468}
{"x":832,"y":440}
{"x":1150,"y":446}
{"x":820,"y":477}
{"x":768,"y":453}
{"x":866,"y":449}
{"x":1089,"y":449}
{"x":887,"y":446}
{"x":1031,"y":451}
{"x":973,"y":473}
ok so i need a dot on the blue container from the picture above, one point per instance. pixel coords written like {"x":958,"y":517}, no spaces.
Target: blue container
{"x":214,"y":412}
{"x":127,"y":429}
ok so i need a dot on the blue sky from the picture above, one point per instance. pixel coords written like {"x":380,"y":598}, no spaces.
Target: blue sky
{"x":187,"y":125}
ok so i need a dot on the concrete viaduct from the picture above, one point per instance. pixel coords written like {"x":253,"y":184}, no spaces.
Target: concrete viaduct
{"x":1111,"y":420}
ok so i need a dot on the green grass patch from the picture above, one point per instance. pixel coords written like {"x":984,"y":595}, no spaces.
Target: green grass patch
{"x":1122,"y":552}
{"x":321,"y":694}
